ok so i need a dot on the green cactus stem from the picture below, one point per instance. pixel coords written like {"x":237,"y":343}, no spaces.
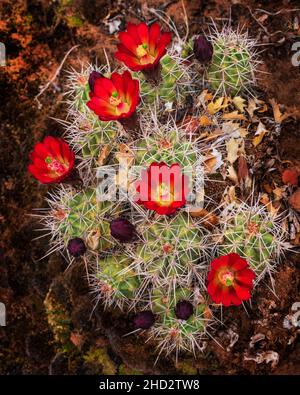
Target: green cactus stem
{"x":233,"y":63}
{"x":115,"y":280}
{"x":171,"y":88}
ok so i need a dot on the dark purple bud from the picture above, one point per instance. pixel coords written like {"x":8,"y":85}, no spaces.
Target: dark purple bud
{"x":92,"y":79}
{"x":122,"y":230}
{"x":203,"y":50}
{"x":183,"y":310}
{"x":76,"y":247}
{"x":144,"y":320}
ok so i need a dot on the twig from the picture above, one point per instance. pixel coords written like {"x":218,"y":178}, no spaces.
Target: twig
{"x":54,"y":76}
{"x":262,"y":26}
{"x":186,"y":20}
{"x":283,"y":11}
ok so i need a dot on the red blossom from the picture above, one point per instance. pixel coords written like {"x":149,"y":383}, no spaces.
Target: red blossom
{"x":52,"y":160}
{"x":162,"y":188}
{"x":141,"y":47}
{"x":230,"y":280}
{"x":114,"y":98}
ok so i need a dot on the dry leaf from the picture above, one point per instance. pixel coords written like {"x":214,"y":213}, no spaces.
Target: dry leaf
{"x":217,"y":105}
{"x":209,"y":219}
{"x":203,"y":98}
{"x":243,"y":173}
{"x":290,"y":176}
{"x":190,"y":125}
{"x":294,"y":200}
{"x":103,"y":154}
{"x":251,"y":107}
{"x":125,"y":156}
{"x":229,"y":194}
{"x":232,"y":174}
{"x":93,"y":239}
{"x":278,"y":193}
{"x":239,"y":103}
{"x":204,"y":121}
{"x":259,"y":135}
{"x":234,"y":147}
{"x":278,"y":115}
{"x":264,"y":199}
{"x":233,"y":129}
{"x":265,"y":356}
{"x":76,"y":339}
{"x":233,"y":115}
{"x":212,"y":161}
{"x":255,"y":104}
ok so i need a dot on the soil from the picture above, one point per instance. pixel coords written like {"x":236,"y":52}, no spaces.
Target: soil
{"x":37,"y":35}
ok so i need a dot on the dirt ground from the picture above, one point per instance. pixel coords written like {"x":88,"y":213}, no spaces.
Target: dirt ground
{"x":37,"y":35}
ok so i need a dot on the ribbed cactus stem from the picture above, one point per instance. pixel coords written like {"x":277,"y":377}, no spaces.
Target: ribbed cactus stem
{"x":233,"y":63}
{"x":169,"y":89}
{"x":253,"y":234}
{"x":112,"y":283}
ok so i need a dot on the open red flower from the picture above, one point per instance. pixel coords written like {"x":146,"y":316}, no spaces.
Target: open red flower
{"x":162,"y":188}
{"x":230,"y":280}
{"x":52,"y":160}
{"x":115,"y":98}
{"x":141,"y":47}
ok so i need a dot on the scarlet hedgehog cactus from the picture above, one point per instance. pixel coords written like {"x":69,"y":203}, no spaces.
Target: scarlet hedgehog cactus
{"x":162,"y":188}
{"x":152,"y":253}
{"x":230,"y":280}
{"x":234,"y":62}
{"x":254,"y":234}
{"x":114,"y":98}
{"x":141,"y":47}
{"x":52,"y":161}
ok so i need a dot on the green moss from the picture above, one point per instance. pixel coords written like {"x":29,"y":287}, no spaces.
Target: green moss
{"x":101,"y":360}
{"x":125,"y":370}
{"x":74,"y":21}
{"x":186,"y":367}
{"x":59,"y":321}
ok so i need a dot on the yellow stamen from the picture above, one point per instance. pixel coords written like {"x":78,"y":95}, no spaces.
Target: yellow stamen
{"x":227,"y":278}
{"x":141,"y":51}
{"x":115,"y":101}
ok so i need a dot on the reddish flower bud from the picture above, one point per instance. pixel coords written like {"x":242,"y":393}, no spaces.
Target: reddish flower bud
{"x":123,"y":230}
{"x":114,"y":98}
{"x":203,"y":49}
{"x":183,"y":310}
{"x":144,"y":320}
{"x":92,"y":79}
{"x":142,"y":47}
{"x":52,"y":160}
{"x":76,"y":247}
{"x":230,"y":280}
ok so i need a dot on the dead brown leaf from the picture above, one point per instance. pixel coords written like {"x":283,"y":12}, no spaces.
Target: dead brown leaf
{"x":209,"y":219}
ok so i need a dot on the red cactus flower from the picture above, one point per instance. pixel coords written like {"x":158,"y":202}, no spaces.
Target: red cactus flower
{"x":141,"y":47}
{"x":230,"y":280}
{"x":115,"y":98}
{"x":162,"y":188}
{"x":52,"y":160}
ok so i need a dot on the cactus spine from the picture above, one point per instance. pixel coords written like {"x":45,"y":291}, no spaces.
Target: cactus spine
{"x":111,"y":283}
{"x":254,"y":234}
{"x":233,"y":64}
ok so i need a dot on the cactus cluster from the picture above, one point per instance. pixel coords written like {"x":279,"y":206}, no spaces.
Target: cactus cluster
{"x":254,"y":234}
{"x":175,"y":85}
{"x":139,"y":259}
{"x":80,"y":214}
{"x":172,"y":251}
{"x":233,"y":65}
